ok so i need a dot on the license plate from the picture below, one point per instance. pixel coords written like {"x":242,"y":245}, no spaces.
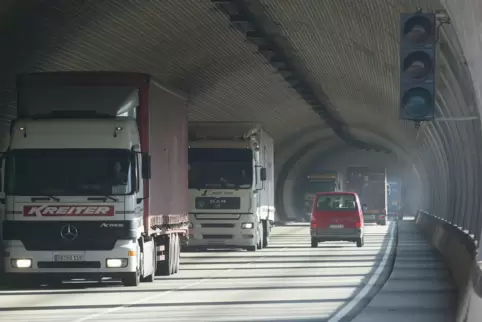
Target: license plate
{"x":336,"y":226}
{"x":68,"y":258}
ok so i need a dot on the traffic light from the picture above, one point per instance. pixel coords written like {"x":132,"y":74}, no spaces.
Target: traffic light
{"x":418,"y":37}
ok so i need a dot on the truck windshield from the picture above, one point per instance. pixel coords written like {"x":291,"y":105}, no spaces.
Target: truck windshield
{"x":70,"y":172}
{"x":321,"y":186}
{"x":220,"y":168}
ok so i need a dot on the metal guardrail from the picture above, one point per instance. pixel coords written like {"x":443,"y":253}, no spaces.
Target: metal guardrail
{"x":448,"y":237}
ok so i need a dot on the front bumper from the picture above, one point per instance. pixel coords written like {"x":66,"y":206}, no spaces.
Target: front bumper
{"x":92,"y":264}
{"x":223,"y":230}
{"x":222,"y":238}
{"x":343,"y":234}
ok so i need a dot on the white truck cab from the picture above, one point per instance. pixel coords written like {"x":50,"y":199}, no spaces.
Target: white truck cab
{"x":71,"y":201}
{"x":231,"y":189}
{"x":84,"y":179}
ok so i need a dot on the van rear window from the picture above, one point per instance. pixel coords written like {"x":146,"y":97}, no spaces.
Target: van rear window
{"x":336,"y":202}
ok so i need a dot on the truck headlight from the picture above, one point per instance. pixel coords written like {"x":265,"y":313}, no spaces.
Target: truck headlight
{"x":116,"y":262}
{"x":247,"y":225}
{"x":21,"y":263}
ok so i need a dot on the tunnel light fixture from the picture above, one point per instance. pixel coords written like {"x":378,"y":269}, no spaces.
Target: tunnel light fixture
{"x":418,"y":37}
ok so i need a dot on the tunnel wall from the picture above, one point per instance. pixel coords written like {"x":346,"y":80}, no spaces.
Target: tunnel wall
{"x":460,"y":252}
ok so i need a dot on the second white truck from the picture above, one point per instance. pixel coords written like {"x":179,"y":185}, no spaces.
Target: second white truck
{"x":231,"y":185}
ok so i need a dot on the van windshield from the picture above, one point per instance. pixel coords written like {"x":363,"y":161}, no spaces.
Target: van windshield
{"x":336,"y":203}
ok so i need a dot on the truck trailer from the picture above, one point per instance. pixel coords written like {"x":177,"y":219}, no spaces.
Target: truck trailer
{"x":231,"y":185}
{"x":95,"y":179}
{"x":371,"y":186}
{"x":394,"y":193}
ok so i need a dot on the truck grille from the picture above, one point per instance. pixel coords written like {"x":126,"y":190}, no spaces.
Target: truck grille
{"x":46,"y":235}
{"x":216,"y":225}
{"x":68,"y":264}
{"x":217,"y":236}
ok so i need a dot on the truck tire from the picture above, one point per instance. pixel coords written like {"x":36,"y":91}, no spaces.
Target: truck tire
{"x":172,"y":253}
{"x":177,"y":253}
{"x":133,"y":278}
{"x":164,"y":267}
{"x":266,"y":233}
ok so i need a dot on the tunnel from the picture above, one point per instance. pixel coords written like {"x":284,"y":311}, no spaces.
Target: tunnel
{"x":322,"y":78}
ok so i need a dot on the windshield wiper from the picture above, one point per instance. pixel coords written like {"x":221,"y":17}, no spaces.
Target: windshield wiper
{"x":46,"y":195}
{"x":103,"y":198}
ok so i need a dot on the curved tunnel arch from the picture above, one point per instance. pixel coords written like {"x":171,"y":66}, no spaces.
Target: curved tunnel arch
{"x":309,"y":152}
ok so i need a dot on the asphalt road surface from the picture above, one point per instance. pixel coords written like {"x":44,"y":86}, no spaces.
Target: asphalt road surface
{"x":289,"y":281}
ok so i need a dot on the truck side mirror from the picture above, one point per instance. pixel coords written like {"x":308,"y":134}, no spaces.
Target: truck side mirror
{"x":146,"y":165}
{"x":262,"y":174}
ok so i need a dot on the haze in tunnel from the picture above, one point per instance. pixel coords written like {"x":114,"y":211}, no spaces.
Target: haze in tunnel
{"x":346,"y":52}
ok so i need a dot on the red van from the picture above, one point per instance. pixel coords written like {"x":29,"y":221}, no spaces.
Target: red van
{"x":337,"y":216}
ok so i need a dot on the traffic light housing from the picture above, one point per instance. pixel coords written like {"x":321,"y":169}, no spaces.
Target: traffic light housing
{"x":418,"y":38}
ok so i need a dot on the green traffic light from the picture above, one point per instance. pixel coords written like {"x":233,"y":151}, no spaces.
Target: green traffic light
{"x":417,"y":102}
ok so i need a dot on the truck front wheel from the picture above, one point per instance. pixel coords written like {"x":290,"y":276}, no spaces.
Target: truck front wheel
{"x":251,"y":248}
{"x":177,"y":253}
{"x":132,"y":279}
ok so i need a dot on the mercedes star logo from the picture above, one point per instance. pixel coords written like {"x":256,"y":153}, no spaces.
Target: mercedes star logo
{"x":69,"y":232}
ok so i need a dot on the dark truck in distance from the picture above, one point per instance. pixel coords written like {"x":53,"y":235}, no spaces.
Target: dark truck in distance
{"x":323,"y":181}
{"x":371,"y":186}
{"x":394,"y":192}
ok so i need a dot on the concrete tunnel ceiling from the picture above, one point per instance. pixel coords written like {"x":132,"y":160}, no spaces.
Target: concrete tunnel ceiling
{"x":346,"y":52}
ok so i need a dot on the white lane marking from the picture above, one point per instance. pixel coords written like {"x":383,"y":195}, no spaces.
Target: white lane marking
{"x":370,"y":284}
{"x":159,"y":295}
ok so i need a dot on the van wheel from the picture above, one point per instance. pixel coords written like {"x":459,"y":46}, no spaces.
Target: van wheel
{"x":382,"y":222}
{"x":251,"y":248}
{"x":314,"y":243}
{"x":360,"y":242}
